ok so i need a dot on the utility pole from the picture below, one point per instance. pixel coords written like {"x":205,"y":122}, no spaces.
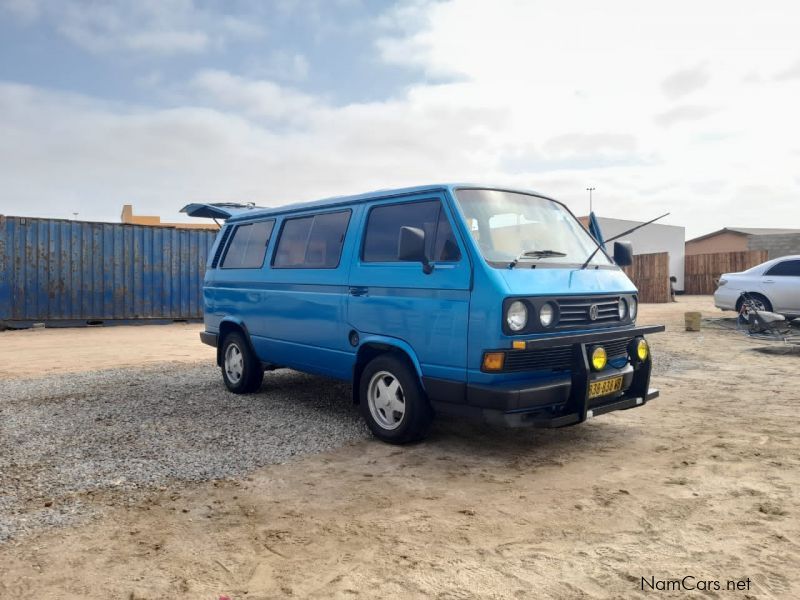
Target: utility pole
{"x":590,"y":190}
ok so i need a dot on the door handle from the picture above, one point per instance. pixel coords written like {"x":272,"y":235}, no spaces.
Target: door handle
{"x":769,"y":281}
{"x":358,"y":291}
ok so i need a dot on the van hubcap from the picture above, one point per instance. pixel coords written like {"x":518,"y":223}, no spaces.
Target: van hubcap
{"x":387,"y":404}
{"x":234,"y":363}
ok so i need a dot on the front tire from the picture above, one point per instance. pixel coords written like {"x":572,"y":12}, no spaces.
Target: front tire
{"x":393,"y":402}
{"x":761,"y":303}
{"x":242,"y":372}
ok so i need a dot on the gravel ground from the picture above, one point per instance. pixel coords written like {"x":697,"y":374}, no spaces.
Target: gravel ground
{"x":67,"y":440}
{"x":64,"y":439}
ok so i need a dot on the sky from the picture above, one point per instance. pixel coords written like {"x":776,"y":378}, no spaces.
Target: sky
{"x":684,"y":107}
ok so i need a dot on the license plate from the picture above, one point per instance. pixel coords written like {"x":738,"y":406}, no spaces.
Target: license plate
{"x":605,"y":387}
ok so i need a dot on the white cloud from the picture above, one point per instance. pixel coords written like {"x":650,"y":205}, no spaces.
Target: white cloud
{"x":254,"y":98}
{"x":684,"y":113}
{"x":67,"y":152}
{"x":26,"y":10}
{"x":544,"y":96}
{"x":686,"y":81}
{"x":792,"y":72}
{"x":289,"y":66}
{"x":590,"y":145}
{"x":166,"y":41}
{"x":570,"y":78}
{"x":145,"y":26}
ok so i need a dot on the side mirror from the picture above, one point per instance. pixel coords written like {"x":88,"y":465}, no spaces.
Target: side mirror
{"x":411,"y":247}
{"x":623,"y":253}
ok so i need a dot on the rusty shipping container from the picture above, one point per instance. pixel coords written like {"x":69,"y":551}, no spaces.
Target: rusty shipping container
{"x":76,"y":272}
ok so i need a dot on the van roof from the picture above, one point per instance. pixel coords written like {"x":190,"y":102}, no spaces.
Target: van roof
{"x":366,"y":197}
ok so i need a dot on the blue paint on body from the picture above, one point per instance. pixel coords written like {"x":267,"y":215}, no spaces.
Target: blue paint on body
{"x":444,"y":321}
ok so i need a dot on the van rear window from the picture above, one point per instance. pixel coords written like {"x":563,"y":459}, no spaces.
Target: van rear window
{"x":313,"y":242}
{"x":248,"y":246}
{"x":383,"y":231}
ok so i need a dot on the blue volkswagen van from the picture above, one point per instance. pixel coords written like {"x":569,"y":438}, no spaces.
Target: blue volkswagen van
{"x":448,"y":299}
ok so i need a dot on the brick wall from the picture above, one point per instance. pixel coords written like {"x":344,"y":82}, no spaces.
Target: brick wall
{"x":776,"y":245}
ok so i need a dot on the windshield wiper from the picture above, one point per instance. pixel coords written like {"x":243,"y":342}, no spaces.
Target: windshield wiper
{"x":535,"y":254}
{"x":591,"y":256}
{"x":616,"y":237}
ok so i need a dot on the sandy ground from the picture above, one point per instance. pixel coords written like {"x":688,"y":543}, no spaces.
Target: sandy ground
{"x":699,"y":483}
{"x":32,"y":352}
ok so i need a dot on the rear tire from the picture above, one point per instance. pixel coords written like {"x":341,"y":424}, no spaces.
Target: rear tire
{"x":392,"y":401}
{"x":242,"y":372}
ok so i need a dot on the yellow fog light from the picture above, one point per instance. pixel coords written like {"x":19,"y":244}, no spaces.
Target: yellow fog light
{"x":599,"y":358}
{"x":642,"y":350}
{"x":493,"y":361}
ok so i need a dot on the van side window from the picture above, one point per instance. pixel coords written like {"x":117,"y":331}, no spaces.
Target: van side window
{"x":223,"y":240}
{"x":313,"y":242}
{"x":248,"y":246}
{"x":383,"y":231}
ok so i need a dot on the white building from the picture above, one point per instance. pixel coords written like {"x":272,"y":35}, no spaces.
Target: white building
{"x":649,"y":239}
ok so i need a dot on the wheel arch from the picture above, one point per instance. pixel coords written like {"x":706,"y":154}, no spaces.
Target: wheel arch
{"x":739,"y":300}
{"x":228,"y":326}
{"x":374,"y":346}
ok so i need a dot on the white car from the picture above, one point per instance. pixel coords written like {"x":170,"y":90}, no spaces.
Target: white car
{"x":774,"y":284}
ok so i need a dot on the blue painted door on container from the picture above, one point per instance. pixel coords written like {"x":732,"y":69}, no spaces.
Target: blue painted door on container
{"x":300,"y":320}
{"x":396,"y":299}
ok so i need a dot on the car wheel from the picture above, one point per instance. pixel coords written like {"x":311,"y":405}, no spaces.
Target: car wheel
{"x":761,"y":303}
{"x":393,"y":402}
{"x":241,"y":369}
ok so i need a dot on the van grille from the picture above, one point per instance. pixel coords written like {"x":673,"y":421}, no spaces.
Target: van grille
{"x":558,"y":358}
{"x":616,"y":348}
{"x":575,"y":311}
{"x":547,"y":359}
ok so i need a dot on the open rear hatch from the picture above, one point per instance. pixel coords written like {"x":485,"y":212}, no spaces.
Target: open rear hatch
{"x":218,"y":210}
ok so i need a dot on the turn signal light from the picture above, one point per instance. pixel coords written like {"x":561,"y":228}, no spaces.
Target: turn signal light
{"x":493,"y":361}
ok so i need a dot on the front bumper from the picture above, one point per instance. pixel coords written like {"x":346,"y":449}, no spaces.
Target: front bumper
{"x":209,"y":338}
{"x":554,"y":402}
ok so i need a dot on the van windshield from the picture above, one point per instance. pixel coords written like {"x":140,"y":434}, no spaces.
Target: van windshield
{"x":512,"y":228}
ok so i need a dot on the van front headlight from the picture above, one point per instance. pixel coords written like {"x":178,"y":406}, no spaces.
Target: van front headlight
{"x":517,"y":316}
{"x":622,"y":307}
{"x":633,"y":307}
{"x":546,"y":314}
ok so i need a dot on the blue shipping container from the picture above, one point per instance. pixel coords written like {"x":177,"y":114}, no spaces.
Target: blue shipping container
{"x":74,"y":272}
